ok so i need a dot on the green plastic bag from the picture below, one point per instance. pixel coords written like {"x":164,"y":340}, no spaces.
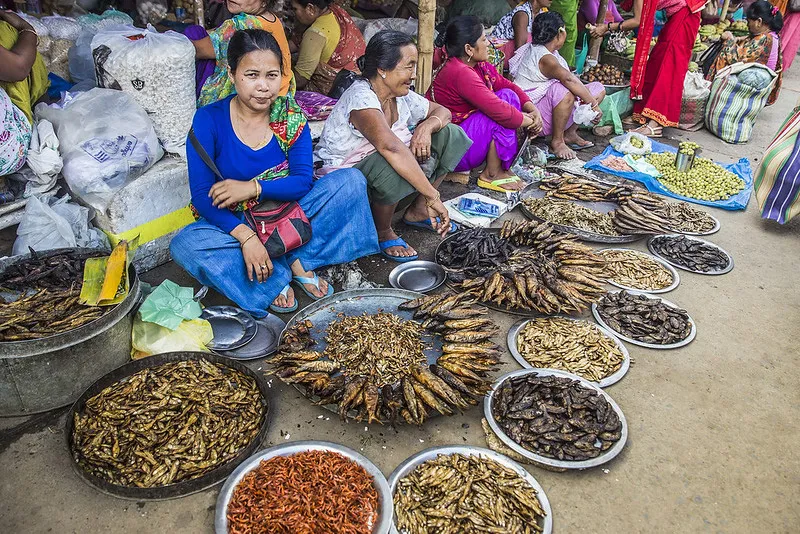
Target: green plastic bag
{"x":580,"y":59}
{"x":615,"y":108}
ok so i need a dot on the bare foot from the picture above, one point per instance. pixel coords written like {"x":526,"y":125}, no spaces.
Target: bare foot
{"x":502,"y":175}
{"x":398,"y":252}
{"x":284,"y":302}
{"x":561,"y":150}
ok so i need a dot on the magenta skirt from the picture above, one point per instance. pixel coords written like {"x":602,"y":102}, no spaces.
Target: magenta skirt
{"x":483,"y":130}
{"x":554,"y":95}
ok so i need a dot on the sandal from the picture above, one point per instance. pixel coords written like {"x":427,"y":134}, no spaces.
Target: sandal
{"x":576,"y":146}
{"x":425,"y":224}
{"x":494,"y":185}
{"x":654,"y":133}
{"x":313,"y":281}
{"x":399,"y":242}
{"x":279,"y":309}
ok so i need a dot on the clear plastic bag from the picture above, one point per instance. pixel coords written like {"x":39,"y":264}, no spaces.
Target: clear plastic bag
{"x":106,"y":140}
{"x":150,"y":338}
{"x":584,"y":115}
{"x":50,"y":223}
{"x":59,"y":27}
{"x":622,"y":143}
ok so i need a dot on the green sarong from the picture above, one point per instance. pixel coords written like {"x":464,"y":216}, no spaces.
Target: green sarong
{"x":568,"y":9}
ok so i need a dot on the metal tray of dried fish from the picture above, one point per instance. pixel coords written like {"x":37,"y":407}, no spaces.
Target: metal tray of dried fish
{"x":726,"y":270}
{"x":676,"y":277}
{"x":681,"y":343}
{"x":409,"y":464}
{"x":605,"y":457}
{"x":714,"y":230}
{"x":381,"y":485}
{"x":233,"y":327}
{"x":180,"y":489}
{"x":602,"y":207}
{"x":513,"y":348}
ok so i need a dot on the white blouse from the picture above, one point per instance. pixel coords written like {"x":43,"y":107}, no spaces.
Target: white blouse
{"x":524,"y":66}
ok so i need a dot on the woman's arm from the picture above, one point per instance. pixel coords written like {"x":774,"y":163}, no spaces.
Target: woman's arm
{"x":16,"y":64}
{"x":520,"y":23}
{"x":204,"y":49}
{"x":438,"y":117}
{"x":626,"y":25}
{"x":311,"y":48}
{"x":474,"y":91}
{"x":301,"y":171}
{"x":549,"y":66}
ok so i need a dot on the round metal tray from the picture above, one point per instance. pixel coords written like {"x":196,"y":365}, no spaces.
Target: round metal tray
{"x":263,"y":344}
{"x":611,"y":379}
{"x":180,"y":489}
{"x":727,"y":269}
{"x":603,"y":207}
{"x":418,"y":275}
{"x":714,"y":230}
{"x":676,"y":278}
{"x":233,"y":327}
{"x":682,"y":343}
{"x":411,"y":463}
{"x":381,"y":485}
{"x":607,"y":456}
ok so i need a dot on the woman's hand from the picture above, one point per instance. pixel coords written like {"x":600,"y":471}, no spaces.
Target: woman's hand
{"x":16,"y":22}
{"x":726,"y":36}
{"x":228,"y":193}
{"x":596,"y":109}
{"x":599,"y":30}
{"x":437,"y":209}
{"x":536,"y":122}
{"x":256,"y":260}
{"x":421,"y":142}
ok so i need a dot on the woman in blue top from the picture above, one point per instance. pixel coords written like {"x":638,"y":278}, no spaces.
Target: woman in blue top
{"x":261,"y":145}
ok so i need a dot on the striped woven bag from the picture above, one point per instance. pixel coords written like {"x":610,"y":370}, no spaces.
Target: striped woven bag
{"x":777,"y":182}
{"x":733,"y":106}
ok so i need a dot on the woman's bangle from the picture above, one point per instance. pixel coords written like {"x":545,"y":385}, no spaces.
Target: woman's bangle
{"x":251,"y":236}
{"x":441,"y":124}
{"x":32,"y":31}
{"x":431,"y":202}
{"x":258,"y":189}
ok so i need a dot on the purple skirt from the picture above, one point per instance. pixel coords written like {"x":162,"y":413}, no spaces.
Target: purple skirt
{"x":483,"y":130}
{"x":204,"y":67}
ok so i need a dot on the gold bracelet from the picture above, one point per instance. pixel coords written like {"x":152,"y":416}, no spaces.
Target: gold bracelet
{"x":251,"y":236}
{"x":441,"y":124}
{"x":258,"y":189}
{"x":429,"y":203}
{"x":33,"y":32}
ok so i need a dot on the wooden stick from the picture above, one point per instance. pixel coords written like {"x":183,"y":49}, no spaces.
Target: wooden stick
{"x":725,"y":7}
{"x":425,"y":25}
{"x":595,"y":42}
{"x":200,"y":13}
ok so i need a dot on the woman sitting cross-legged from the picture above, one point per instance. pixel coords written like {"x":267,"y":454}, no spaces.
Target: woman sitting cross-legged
{"x":487,"y":106}
{"x":259,"y":142}
{"x":540,"y":70}
{"x":391,"y":134}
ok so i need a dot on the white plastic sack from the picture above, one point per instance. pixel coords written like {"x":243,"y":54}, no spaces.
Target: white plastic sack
{"x":584,"y":115}
{"x":62,"y":27}
{"x":40,"y":29}
{"x":106,"y":140}
{"x":50,"y":223}
{"x":622,"y":143}
{"x":158,"y":70}
{"x":43,"y":157}
{"x":695,"y":87}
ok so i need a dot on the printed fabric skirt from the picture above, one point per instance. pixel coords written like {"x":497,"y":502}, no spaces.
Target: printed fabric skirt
{"x":342,"y":231}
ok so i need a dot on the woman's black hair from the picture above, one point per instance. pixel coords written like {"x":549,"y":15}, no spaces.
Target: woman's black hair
{"x":761,"y":9}
{"x":245,"y":41}
{"x":461,"y":31}
{"x":322,"y":4}
{"x":545,"y":27}
{"x":383,"y":52}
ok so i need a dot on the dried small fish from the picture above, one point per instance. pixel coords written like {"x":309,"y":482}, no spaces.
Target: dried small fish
{"x":643,"y":318}
{"x":556,"y":417}
{"x":167,"y":424}
{"x":456,"y":494}
{"x":578,"y":347}
{"x":635,"y":270}
{"x":691,"y":253}
{"x":567,"y":213}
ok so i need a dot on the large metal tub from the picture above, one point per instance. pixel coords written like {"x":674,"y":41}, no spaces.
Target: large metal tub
{"x":43,"y":374}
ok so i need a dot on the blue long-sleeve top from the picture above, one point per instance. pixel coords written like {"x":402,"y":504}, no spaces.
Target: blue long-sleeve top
{"x":237,"y":161}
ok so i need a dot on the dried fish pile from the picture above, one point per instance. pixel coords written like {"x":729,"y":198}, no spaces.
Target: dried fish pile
{"x":635,"y":270}
{"x":167,"y":424}
{"x":567,"y":213}
{"x":51,"y":287}
{"x":556,"y":417}
{"x":554,"y":273}
{"x":640,"y":211}
{"x":690,"y":253}
{"x":456,"y":494}
{"x":394,"y":383}
{"x":474,"y":252}
{"x":644,"y":319}
{"x":578,"y":347}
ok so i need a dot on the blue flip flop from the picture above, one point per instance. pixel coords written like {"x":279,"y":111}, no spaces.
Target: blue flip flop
{"x":576,"y":146}
{"x":314,"y":281}
{"x":426,"y":225}
{"x":399,"y":242}
{"x":278,"y":309}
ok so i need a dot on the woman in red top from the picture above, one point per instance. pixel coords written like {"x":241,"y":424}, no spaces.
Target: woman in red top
{"x":487,"y":106}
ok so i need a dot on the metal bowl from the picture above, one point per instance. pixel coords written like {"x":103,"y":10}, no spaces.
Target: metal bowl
{"x":411,"y":463}
{"x":180,"y":489}
{"x":384,"y":522}
{"x":233,"y":327}
{"x":727,"y":269}
{"x":676,"y":278}
{"x":611,"y":379}
{"x":682,"y":343}
{"x":418,"y":275}
{"x":264,"y":343}
{"x":605,"y":457}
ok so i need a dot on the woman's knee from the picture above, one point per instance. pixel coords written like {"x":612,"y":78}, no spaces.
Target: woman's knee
{"x":509,"y":96}
{"x":179,"y":246}
{"x":568,"y":100}
{"x":347,"y":181}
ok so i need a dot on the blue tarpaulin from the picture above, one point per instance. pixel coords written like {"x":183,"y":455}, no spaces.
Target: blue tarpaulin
{"x":741,"y":169}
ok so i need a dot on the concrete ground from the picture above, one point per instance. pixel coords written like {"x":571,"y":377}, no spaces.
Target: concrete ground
{"x":713,"y":426}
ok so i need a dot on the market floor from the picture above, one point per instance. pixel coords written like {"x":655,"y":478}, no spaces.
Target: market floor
{"x":713,"y":426}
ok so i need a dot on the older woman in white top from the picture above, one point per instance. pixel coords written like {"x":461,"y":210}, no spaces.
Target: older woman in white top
{"x":541,"y":71}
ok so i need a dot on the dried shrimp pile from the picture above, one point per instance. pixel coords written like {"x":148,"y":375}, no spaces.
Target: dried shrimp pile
{"x":395,"y":382}
{"x":455,"y":494}
{"x":635,"y":270}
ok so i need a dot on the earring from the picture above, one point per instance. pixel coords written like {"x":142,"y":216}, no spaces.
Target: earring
{"x":383,"y":75}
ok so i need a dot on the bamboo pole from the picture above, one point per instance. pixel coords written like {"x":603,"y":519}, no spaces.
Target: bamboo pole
{"x":595,"y":42}
{"x":725,"y":7}
{"x":200,"y":12}
{"x":425,"y":25}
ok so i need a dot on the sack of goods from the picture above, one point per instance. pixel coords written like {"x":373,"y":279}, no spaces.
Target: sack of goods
{"x":106,"y":139}
{"x":693,"y":104}
{"x":738,"y":94}
{"x":158,"y":70}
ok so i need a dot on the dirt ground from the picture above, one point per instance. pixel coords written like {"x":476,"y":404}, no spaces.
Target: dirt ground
{"x":713,"y":426}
